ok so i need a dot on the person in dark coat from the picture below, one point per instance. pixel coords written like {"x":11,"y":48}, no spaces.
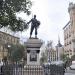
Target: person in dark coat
{"x":65,"y":65}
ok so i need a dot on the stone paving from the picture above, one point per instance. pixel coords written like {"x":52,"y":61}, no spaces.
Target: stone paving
{"x":70,"y":72}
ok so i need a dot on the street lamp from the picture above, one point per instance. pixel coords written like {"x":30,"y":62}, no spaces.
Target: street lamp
{"x":9,"y":52}
{"x":9,"y":46}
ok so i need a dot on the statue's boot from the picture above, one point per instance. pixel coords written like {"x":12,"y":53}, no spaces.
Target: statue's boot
{"x":35,"y":36}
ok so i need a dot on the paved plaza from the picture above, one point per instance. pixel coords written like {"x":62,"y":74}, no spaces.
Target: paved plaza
{"x":70,"y":72}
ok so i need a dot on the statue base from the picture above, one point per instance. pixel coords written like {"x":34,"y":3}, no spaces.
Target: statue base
{"x":33,"y":49}
{"x":33,"y":62}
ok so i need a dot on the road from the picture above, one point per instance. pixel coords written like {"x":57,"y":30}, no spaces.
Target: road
{"x":70,"y":72}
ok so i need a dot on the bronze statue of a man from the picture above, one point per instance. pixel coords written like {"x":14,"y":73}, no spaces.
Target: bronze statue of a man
{"x":34,"y":25}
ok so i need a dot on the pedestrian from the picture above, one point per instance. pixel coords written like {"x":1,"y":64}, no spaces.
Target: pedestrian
{"x":2,"y":70}
{"x":65,"y":66}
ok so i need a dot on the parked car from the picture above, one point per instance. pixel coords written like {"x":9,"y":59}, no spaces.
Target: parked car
{"x":73,"y":62}
{"x":72,"y":67}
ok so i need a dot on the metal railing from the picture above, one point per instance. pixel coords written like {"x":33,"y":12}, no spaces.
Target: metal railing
{"x":31,"y":70}
{"x":16,"y":70}
{"x":53,"y":69}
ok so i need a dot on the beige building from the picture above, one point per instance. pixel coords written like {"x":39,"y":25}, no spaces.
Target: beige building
{"x":51,"y":52}
{"x":4,"y":40}
{"x":55,"y":54}
{"x":69,"y":32}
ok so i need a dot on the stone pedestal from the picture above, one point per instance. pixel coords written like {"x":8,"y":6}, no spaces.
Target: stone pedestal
{"x":33,"y":48}
{"x":33,"y":62}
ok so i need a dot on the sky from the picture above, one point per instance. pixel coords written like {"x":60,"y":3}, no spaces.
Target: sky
{"x":53,"y":15}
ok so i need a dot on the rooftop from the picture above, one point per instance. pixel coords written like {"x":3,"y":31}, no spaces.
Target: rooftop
{"x":9,"y":34}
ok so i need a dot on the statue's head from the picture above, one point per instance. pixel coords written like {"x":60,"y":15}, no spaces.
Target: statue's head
{"x":34,"y":16}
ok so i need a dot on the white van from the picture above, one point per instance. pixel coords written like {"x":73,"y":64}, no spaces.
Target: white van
{"x":73,"y":62}
{"x":72,"y":67}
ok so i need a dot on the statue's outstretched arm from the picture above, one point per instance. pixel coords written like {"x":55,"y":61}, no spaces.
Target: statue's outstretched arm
{"x":29,"y":22}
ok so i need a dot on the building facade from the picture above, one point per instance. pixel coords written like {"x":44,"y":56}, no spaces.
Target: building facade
{"x":4,"y":40}
{"x":55,"y":54}
{"x":51,"y":52}
{"x":52,"y":55}
{"x":69,"y":32}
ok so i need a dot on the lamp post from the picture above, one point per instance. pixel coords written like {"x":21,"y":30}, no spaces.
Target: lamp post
{"x":9,"y":52}
{"x":49,"y":46}
{"x":8,"y":46}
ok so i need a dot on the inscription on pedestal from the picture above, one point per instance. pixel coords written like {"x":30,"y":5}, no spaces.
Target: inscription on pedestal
{"x":33,"y":55}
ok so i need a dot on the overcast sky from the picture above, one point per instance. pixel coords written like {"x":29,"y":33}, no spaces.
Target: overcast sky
{"x":53,"y":15}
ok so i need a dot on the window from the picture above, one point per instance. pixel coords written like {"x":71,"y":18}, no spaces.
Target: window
{"x":17,"y":41}
{"x":7,"y":38}
{"x":0,"y":37}
{"x":70,"y":42}
{"x":65,"y":38}
{"x":14,"y":40}
{"x":65,"y":44}
{"x":1,"y":48}
{"x":69,"y":35}
{"x":70,"y":50}
{"x":70,"y":53}
{"x":65,"y":51}
{"x":74,"y":49}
